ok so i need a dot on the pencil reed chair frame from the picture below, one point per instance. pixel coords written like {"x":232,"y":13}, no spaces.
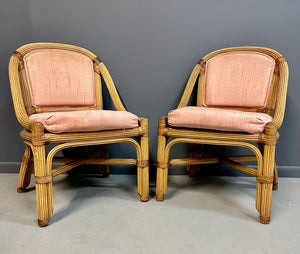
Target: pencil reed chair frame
{"x":262,"y":144}
{"x":36,"y":138}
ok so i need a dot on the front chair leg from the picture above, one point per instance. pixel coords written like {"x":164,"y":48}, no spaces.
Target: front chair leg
{"x":143,"y":165}
{"x":267,"y":183}
{"x":43,"y":179}
{"x":43,"y":186}
{"x":162,"y":167}
{"x":143,"y":180}
{"x":25,"y":170}
{"x":161,"y":183}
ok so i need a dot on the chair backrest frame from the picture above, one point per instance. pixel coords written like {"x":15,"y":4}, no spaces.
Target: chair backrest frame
{"x":20,"y":89}
{"x":277,"y":95}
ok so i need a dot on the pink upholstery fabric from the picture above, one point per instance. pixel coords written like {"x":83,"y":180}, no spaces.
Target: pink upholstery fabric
{"x":238,"y":79}
{"x":86,"y":120}
{"x":218,"y":119}
{"x":60,"y":78}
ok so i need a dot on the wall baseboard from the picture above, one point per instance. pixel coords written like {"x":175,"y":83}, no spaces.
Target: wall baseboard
{"x":283,"y":171}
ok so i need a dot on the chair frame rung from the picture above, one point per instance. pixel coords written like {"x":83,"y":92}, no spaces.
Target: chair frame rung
{"x":71,"y":163}
{"x":192,"y":161}
{"x":114,"y":161}
{"x":64,"y":168}
{"x":239,"y":166}
{"x":238,"y":158}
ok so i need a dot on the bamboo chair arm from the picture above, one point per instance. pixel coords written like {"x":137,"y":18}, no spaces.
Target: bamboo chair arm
{"x":162,"y":124}
{"x":282,"y":94}
{"x":270,"y":134}
{"x":37,"y":130}
{"x":270,"y":127}
{"x":142,"y":120}
{"x":190,"y":86}
{"x":144,"y":126}
{"x":17,"y":96}
{"x":163,"y":120}
{"x":111,"y":87}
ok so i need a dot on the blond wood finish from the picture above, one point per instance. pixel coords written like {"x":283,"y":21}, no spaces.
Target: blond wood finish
{"x":36,"y":138}
{"x":264,"y":154}
{"x":25,"y":170}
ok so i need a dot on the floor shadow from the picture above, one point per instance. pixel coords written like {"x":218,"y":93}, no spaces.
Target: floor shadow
{"x":88,"y":187}
{"x":213,"y":188}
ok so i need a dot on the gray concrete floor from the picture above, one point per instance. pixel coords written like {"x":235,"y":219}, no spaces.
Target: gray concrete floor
{"x":199,"y":215}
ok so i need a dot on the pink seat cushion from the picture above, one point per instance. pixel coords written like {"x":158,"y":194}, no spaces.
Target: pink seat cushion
{"x":86,"y":120}
{"x":60,"y":78}
{"x":238,"y":79}
{"x":219,"y":119}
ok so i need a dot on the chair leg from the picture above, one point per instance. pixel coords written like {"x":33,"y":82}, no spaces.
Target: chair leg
{"x":162,"y":167}
{"x":43,"y":176}
{"x":267,"y":183}
{"x":25,"y":170}
{"x":43,"y":185}
{"x":161,"y":183}
{"x":103,"y":153}
{"x":194,"y":153}
{"x":143,"y":168}
{"x":275,"y":179}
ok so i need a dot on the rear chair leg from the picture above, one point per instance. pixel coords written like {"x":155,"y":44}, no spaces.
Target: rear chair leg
{"x":103,"y":154}
{"x":194,"y":153}
{"x":25,"y":170}
{"x":275,"y":179}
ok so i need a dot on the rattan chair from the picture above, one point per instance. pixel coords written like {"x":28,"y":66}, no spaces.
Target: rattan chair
{"x":241,"y":99}
{"x":62,"y":83}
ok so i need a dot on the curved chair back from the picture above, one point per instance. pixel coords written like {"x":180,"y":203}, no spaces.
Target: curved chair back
{"x":241,"y":78}
{"x":51,"y":77}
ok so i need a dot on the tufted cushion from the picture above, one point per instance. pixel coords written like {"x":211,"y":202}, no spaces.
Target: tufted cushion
{"x":218,"y":119}
{"x":60,"y":78}
{"x":238,"y":79}
{"x":86,"y":120}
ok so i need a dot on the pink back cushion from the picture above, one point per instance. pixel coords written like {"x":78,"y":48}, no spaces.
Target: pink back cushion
{"x":60,"y":78}
{"x":238,"y":79}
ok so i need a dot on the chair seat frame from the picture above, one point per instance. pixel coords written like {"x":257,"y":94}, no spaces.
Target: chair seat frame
{"x":36,"y":138}
{"x":262,"y":145}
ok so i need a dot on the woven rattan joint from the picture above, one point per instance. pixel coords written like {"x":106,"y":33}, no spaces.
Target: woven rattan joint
{"x":162,"y":164}
{"x":265,"y":179}
{"x":142,"y":164}
{"x":202,"y":63}
{"x":280,"y":59}
{"x":43,"y":179}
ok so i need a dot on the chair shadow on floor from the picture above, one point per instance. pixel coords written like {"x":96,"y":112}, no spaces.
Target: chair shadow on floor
{"x":92,"y":187}
{"x":211,"y":192}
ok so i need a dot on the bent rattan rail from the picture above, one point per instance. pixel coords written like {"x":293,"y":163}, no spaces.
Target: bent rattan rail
{"x":261,"y":144}
{"x":36,"y":137}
